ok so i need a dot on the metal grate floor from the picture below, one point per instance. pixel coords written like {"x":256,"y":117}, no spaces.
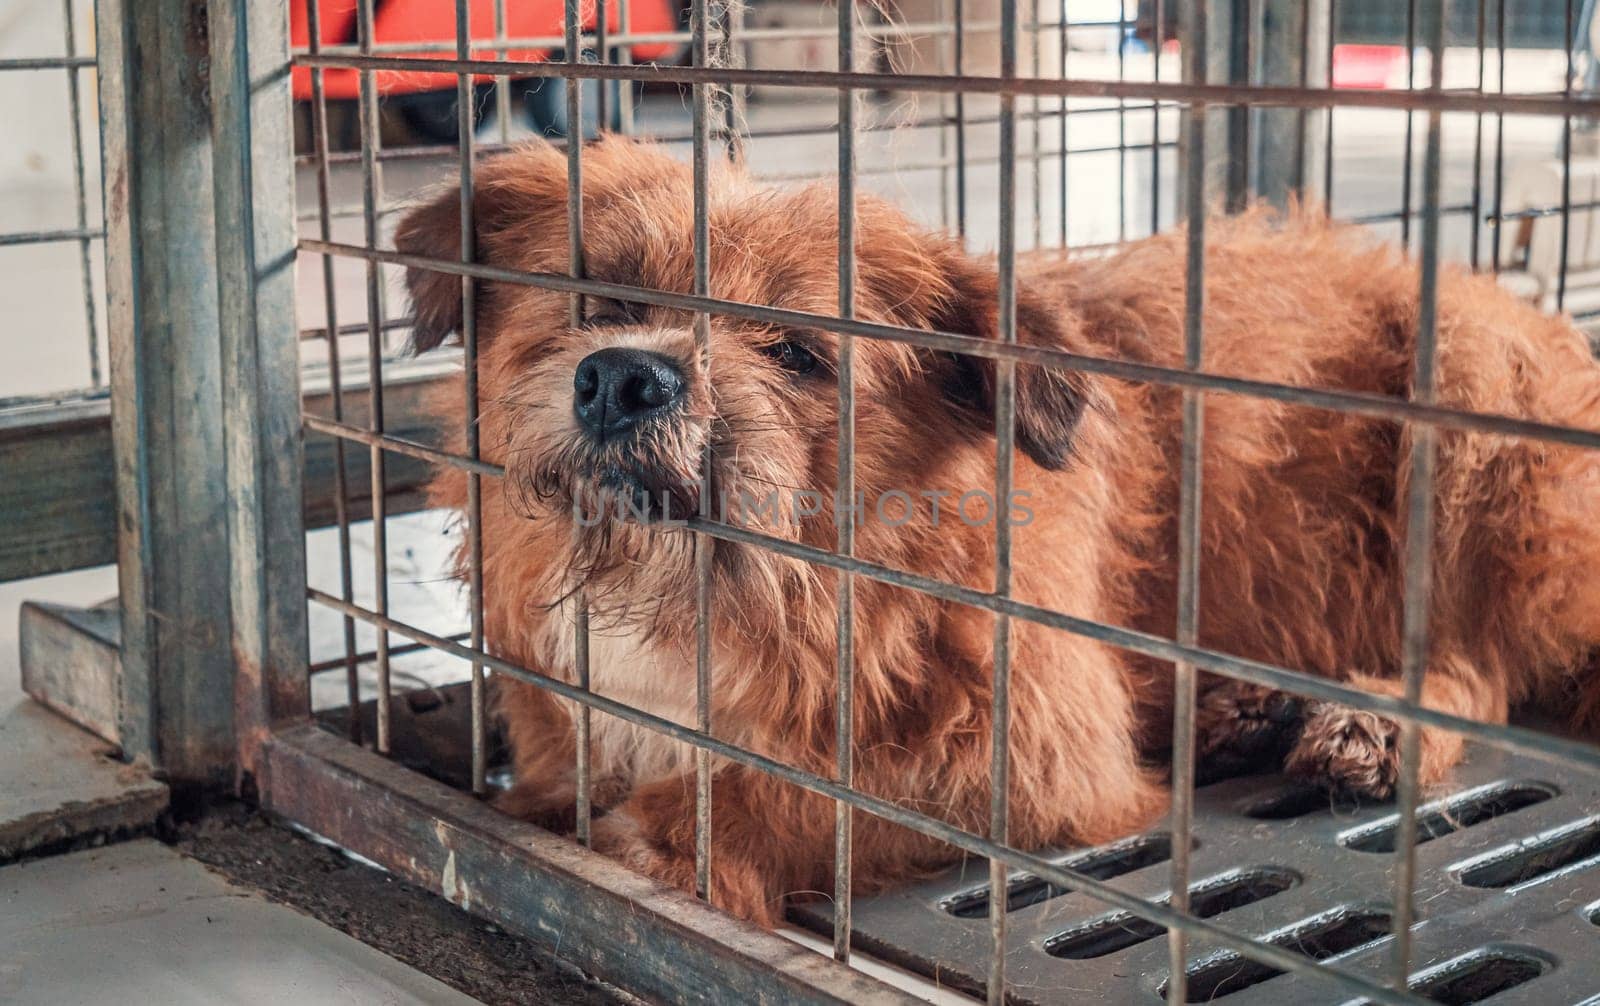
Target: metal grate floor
{"x":1508,"y":899}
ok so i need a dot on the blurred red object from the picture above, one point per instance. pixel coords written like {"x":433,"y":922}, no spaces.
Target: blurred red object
{"x":433,"y":21}
{"x":1366,"y":67}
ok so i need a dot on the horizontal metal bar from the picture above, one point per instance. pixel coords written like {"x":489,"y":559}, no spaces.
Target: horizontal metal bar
{"x":398,"y":445}
{"x":20,"y":407}
{"x":1354,"y":402}
{"x":342,"y":662}
{"x":1102,"y":890}
{"x":615,"y":40}
{"x":441,"y":151}
{"x":47,"y":237}
{"x":1391,"y":216}
{"x":1255,"y":95}
{"x":1042,"y":155}
{"x":357,"y":327}
{"x":642,"y":936}
{"x":48,"y":63}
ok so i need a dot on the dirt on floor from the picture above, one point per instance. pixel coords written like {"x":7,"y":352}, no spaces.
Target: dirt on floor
{"x":409,"y":924}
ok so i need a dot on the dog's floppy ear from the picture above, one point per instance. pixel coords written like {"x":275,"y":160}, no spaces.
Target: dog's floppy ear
{"x":432,"y":229}
{"x":1049,"y":400}
{"x":525,"y":189}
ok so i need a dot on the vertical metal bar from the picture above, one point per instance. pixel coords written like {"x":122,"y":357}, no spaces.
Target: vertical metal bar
{"x":1419,"y":534}
{"x":844,"y":503}
{"x":1476,"y":238}
{"x":625,"y":58}
{"x":80,"y":196}
{"x":1499,"y":140}
{"x":701,"y":56}
{"x":1327,"y":136}
{"x":1061,"y":16}
{"x":1189,"y":502}
{"x":260,"y":372}
{"x":1238,"y":120}
{"x":730,"y":17}
{"x":1037,"y":106}
{"x":961,"y":120}
{"x":580,"y":661}
{"x":1159,"y":38}
{"x":177,"y":692}
{"x":1005,"y":411}
{"x":469,"y":347}
{"x":1566,"y":167}
{"x":602,"y":101}
{"x":573,"y":20}
{"x":1302,"y":137}
{"x":1411,"y":84}
{"x":1122,"y":125}
{"x":370,"y":199}
{"x":341,"y":488}
{"x":502,"y":82}
{"x":944,"y":124}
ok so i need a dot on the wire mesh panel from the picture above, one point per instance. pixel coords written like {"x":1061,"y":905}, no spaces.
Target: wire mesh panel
{"x":1028,"y":130}
{"x":50,"y":221}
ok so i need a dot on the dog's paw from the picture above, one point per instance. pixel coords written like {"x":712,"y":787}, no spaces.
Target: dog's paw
{"x":1240,"y":727}
{"x":619,"y":836}
{"x":1347,"y":751}
{"x":555,"y":812}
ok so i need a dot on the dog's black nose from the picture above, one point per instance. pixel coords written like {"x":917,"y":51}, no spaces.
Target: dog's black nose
{"x":615,"y":388}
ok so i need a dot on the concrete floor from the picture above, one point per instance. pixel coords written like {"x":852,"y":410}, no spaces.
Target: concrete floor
{"x":139,"y":922}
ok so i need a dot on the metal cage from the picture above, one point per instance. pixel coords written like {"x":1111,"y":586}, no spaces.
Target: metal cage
{"x":230,"y":408}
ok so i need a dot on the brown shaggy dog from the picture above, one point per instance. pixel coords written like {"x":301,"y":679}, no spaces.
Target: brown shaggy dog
{"x":1302,"y":548}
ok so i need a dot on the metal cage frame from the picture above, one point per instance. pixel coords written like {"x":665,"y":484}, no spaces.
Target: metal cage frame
{"x":213,"y":682}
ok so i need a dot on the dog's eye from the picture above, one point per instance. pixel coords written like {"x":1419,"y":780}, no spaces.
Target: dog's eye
{"x":608,"y":314}
{"x":791,"y":356}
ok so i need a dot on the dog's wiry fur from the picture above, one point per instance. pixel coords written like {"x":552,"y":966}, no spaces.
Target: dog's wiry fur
{"x":1302,"y":545}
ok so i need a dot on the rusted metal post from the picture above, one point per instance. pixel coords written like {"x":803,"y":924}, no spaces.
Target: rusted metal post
{"x":166,"y":379}
{"x":251,"y":129}
{"x":199,"y":260}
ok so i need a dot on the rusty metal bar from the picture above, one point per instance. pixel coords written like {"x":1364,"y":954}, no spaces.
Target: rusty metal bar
{"x":69,"y":62}
{"x":50,"y":236}
{"x":469,"y":346}
{"x":700,"y":53}
{"x":1355,"y":403}
{"x":80,"y":194}
{"x":502,"y":82}
{"x":886,"y":30}
{"x":844,"y":499}
{"x":572,"y":19}
{"x":177,"y":701}
{"x":1566,"y":164}
{"x":331,"y":331}
{"x":1005,"y":426}
{"x":1225,"y":95}
{"x":370,"y":199}
{"x":1190,"y":486}
{"x":654,"y":942}
{"x":260,"y":374}
{"x":1419,"y":546}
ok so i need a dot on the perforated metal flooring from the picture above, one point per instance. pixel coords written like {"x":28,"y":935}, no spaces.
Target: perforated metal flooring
{"x":1508,"y":899}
